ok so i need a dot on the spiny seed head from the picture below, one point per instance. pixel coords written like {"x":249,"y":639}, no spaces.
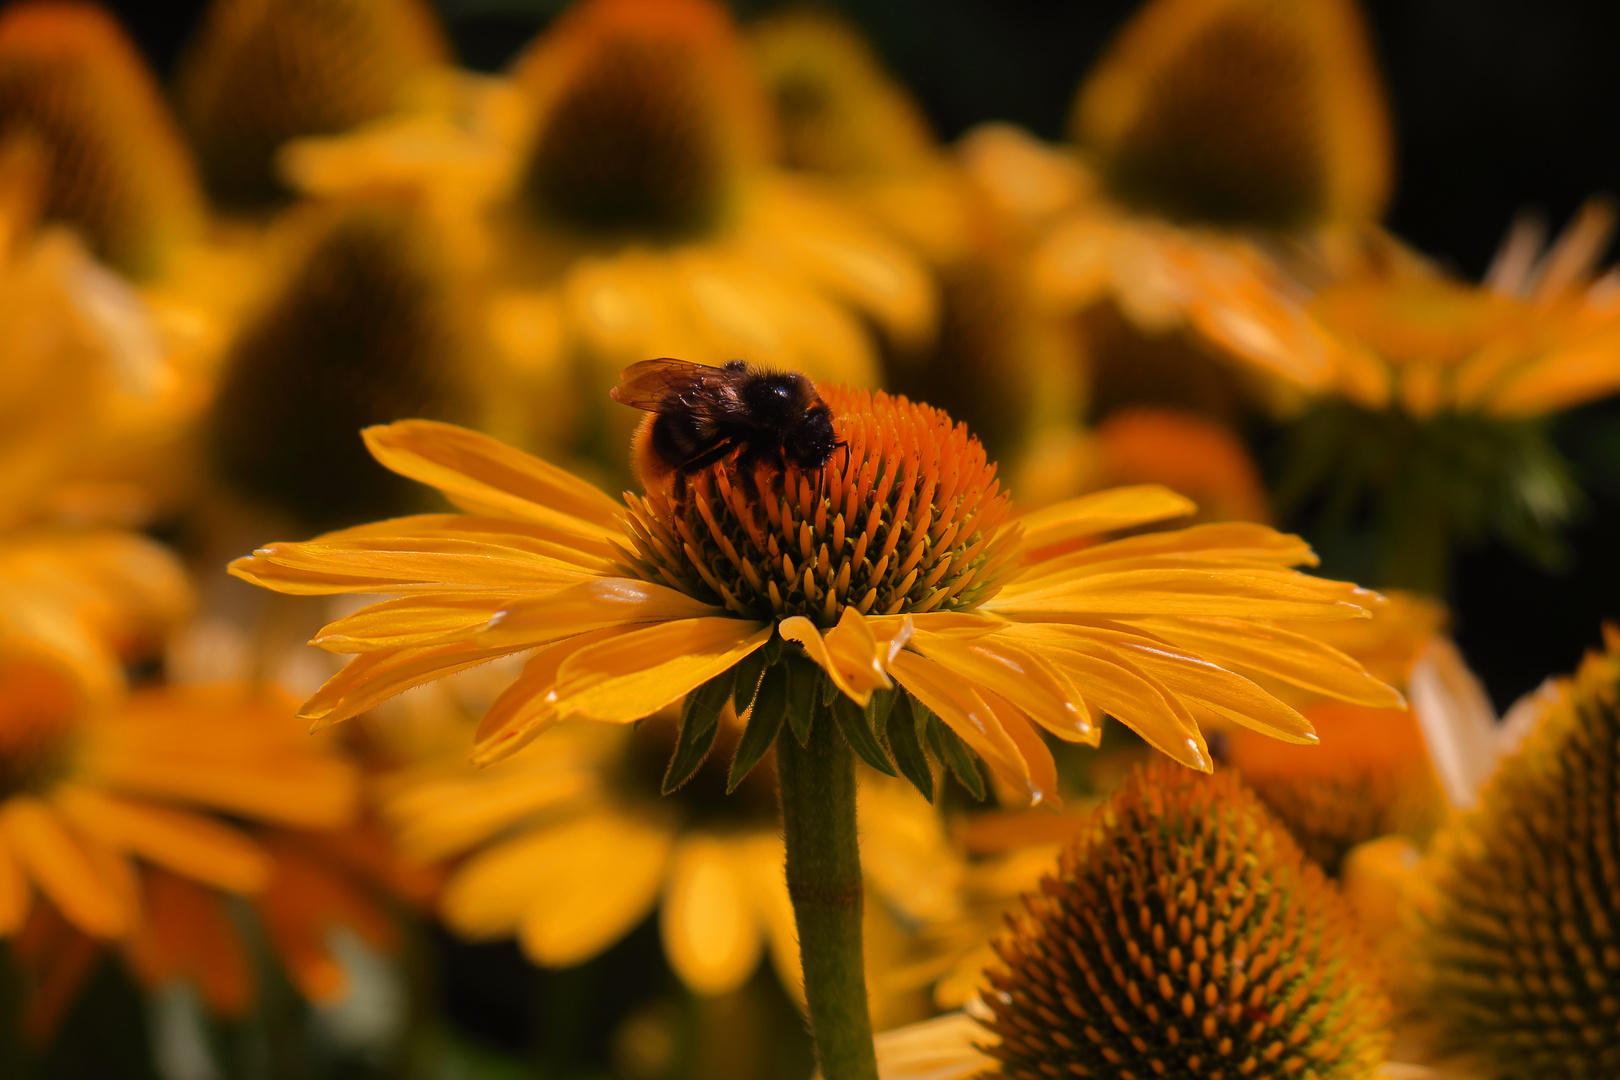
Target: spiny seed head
{"x":264,"y":71}
{"x":117,"y":170}
{"x":646,"y":114}
{"x":1368,"y":777}
{"x":1521,"y":954}
{"x":1185,"y":936}
{"x":365,"y":328}
{"x":908,"y":517}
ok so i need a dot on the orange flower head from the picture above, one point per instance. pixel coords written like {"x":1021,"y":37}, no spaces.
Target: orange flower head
{"x":1267,"y":112}
{"x":646,"y":115}
{"x":1188,"y":453}
{"x":261,"y":72}
{"x":1185,"y":935}
{"x":907,"y":517}
{"x":72,"y":83}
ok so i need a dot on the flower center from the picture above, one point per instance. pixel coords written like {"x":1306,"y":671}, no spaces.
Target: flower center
{"x":38,"y":707}
{"x":905,"y":517}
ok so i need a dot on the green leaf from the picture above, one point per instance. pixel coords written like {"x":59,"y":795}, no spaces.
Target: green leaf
{"x":951,"y":750}
{"x":700,"y":721}
{"x":771,"y":707}
{"x":858,"y":733}
{"x":801,"y":696}
{"x":900,"y":732}
{"x":878,"y":707}
{"x":748,"y":669}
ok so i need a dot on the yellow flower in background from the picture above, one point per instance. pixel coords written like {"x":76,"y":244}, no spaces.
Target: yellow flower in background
{"x":117,"y":169}
{"x":1517,"y":934}
{"x":261,"y":72}
{"x":92,"y":787}
{"x":994,"y":624}
{"x":1184,"y":935}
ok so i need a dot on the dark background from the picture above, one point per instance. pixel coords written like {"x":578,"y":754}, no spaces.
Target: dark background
{"x":1499,"y":106}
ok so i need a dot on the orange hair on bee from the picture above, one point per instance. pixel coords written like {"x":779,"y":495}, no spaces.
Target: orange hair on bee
{"x":653,"y":471}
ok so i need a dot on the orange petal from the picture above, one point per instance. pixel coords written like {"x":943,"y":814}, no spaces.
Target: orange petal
{"x":189,"y":844}
{"x":14,"y":893}
{"x":59,"y":863}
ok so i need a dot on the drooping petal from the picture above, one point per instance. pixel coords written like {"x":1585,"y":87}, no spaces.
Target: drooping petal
{"x":1131,"y":696}
{"x":485,"y":476}
{"x":850,"y":653}
{"x":14,"y":892}
{"x":712,"y":935}
{"x":590,"y":605}
{"x":189,"y":844}
{"x":528,"y":707}
{"x":632,"y":676}
{"x":1055,"y":527}
{"x":1042,"y":769}
{"x":954,"y":700}
{"x":58,"y":862}
{"x":995,"y":662}
{"x":371,"y":678}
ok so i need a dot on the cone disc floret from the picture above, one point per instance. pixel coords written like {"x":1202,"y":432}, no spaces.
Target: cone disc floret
{"x":907,"y":517}
{"x":1522,"y":952}
{"x":1185,"y":936}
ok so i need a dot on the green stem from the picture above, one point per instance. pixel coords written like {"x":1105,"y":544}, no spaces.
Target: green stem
{"x":817,"y":786}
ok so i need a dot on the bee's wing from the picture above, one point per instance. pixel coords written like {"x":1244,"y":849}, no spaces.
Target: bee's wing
{"x":656,"y":385}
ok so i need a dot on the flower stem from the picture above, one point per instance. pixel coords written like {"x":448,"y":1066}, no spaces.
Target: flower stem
{"x":817,"y":786}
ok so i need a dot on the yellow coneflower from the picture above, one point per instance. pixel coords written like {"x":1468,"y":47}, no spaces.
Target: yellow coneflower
{"x":1518,"y":940}
{"x":260,"y":73}
{"x":1182,"y":935}
{"x":1432,"y":427}
{"x":117,"y":168}
{"x":995,"y":627}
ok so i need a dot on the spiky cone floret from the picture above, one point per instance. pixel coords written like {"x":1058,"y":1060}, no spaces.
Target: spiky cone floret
{"x":1518,"y":946}
{"x":261,"y":72}
{"x":118,"y":171}
{"x":1186,"y":935}
{"x":900,"y":563}
{"x":364,"y":324}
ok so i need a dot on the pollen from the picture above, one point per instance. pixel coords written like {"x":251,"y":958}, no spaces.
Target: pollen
{"x":1185,"y":935}
{"x":1522,"y":956}
{"x":906,"y":516}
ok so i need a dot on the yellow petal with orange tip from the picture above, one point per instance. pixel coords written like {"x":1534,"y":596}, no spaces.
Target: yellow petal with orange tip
{"x":485,"y":476}
{"x":954,"y":700}
{"x":631,"y":676}
{"x":371,"y":678}
{"x":401,"y":565}
{"x":528,"y":707}
{"x":1106,"y":511}
{"x":590,"y":605}
{"x":851,"y":655}
{"x":189,"y":844}
{"x":1000,"y":665}
{"x":14,"y":892}
{"x":1121,"y":689}
{"x":56,"y":859}
{"x":712,"y":935}
{"x":1270,"y":652}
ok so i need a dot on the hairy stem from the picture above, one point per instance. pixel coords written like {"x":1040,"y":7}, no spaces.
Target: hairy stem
{"x":817,"y":786}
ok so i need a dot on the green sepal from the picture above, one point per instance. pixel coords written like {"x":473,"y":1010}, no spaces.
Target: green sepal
{"x":954,"y":753}
{"x":801,"y":696}
{"x":858,"y":733}
{"x":829,"y":689}
{"x":771,"y":707}
{"x":748,"y":671}
{"x":899,"y":730}
{"x":700,"y":722}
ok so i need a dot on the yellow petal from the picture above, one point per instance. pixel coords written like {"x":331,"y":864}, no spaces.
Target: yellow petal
{"x":58,"y":862}
{"x":1042,"y":769}
{"x":632,"y":676}
{"x":485,"y":476}
{"x":402,"y":565}
{"x":14,"y":893}
{"x":711,"y":934}
{"x":944,"y":1048}
{"x":1128,"y":694}
{"x":850,"y":653}
{"x":590,"y":605}
{"x":1237,"y":543}
{"x":411,"y":622}
{"x":189,"y":844}
{"x":998,"y":664}
{"x":371,"y":678}
{"x":954,"y":701}
{"x":1210,"y":593}
{"x":1106,"y":511}
{"x":761,"y":858}
{"x":528,"y":707}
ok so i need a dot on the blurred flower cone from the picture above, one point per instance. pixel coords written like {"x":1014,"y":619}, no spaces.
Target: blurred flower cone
{"x":1280,"y":988}
{"x":1517,"y":933}
{"x":261,"y":72}
{"x":116,"y":168}
{"x":363,"y":324}
{"x":1432,"y":433}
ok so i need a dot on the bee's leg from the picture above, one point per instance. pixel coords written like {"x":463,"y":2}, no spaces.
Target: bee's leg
{"x":743,"y":468}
